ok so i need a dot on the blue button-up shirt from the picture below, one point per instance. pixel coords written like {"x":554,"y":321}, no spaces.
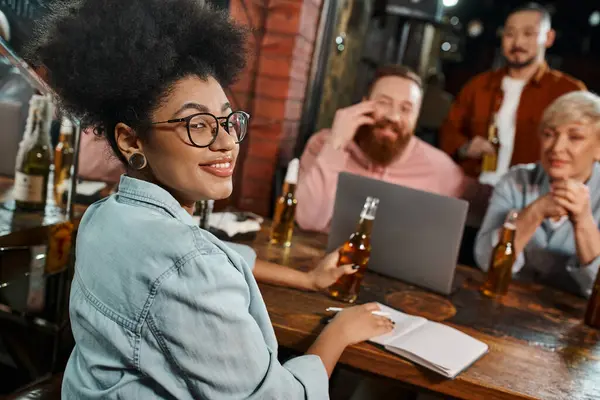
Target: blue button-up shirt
{"x":162,"y":309}
{"x":551,"y":253}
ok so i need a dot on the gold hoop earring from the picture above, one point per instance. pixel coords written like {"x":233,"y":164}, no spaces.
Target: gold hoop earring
{"x":137,"y":161}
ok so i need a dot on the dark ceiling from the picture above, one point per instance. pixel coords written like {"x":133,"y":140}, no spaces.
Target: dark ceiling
{"x":570,"y":18}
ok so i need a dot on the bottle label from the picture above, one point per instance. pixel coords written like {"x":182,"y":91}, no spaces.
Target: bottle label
{"x":29,"y":188}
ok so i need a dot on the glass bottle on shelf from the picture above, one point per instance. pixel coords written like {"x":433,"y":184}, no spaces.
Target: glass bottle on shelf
{"x":34,"y":158}
{"x":285,"y":208}
{"x":63,"y":159}
{"x":356,"y":251}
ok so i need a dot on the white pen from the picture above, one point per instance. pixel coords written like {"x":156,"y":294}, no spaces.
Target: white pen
{"x":378,"y":313}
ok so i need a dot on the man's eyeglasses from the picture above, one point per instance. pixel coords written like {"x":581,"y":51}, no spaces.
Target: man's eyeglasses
{"x":203,"y":128}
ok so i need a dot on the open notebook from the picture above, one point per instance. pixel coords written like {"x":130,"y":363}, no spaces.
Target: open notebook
{"x":438,"y":347}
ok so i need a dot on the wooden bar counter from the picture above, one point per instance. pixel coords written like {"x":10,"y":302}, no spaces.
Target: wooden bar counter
{"x":539,"y":347}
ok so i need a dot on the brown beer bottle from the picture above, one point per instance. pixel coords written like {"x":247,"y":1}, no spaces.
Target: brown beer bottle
{"x":592,"y":314}
{"x":502,"y":260}
{"x":285,"y":208}
{"x":490,"y":161}
{"x":356,"y":251}
{"x":63,"y":160}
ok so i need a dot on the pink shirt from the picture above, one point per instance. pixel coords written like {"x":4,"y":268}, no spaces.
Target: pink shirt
{"x":96,"y":159}
{"x":420,"y":166}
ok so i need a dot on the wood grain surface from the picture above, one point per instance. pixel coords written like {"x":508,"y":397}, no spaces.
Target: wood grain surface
{"x":539,"y":347}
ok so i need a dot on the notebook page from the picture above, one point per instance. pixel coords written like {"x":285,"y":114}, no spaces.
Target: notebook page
{"x":443,"y":346}
{"x":418,"y":360}
{"x":404,"y":324}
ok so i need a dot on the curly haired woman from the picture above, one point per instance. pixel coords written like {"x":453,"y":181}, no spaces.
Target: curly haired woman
{"x":160,"y":308}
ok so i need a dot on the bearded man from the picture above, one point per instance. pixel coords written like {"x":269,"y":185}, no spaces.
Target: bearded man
{"x":512,"y":98}
{"x":375,"y":138}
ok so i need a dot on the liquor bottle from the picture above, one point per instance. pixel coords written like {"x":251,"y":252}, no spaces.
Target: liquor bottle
{"x":34,"y":158}
{"x":356,"y":252}
{"x":63,"y":159}
{"x":502,"y":260}
{"x":490,"y":161}
{"x":592,"y":314}
{"x":285,"y":208}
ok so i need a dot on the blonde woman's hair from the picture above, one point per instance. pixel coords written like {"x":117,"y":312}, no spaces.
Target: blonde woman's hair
{"x":580,"y":106}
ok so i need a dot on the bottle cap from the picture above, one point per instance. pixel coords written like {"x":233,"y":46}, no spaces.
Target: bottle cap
{"x":66,"y":126}
{"x":292,"y":172}
{"x":374,"y":201}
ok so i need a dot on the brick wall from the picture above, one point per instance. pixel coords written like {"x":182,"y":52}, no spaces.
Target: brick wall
{"x":272,"y":89}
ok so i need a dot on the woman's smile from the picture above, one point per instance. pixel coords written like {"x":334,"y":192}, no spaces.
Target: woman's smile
{"x":222,"y":167}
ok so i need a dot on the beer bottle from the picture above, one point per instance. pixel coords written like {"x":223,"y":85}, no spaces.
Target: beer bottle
{"x":490,"y":161}
{"x":34,"y":158}
{"x":356,"y":251}
{"x":285,"y":208}
{"x":592,"y":314}
{"x":502,"y":260}
{"x":63,"y":159}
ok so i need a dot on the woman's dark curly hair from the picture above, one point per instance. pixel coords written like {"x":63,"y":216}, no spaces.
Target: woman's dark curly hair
{"x":114,"y":61}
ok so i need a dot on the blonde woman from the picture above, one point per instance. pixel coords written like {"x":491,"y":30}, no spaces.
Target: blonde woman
{"x":558,"y":199}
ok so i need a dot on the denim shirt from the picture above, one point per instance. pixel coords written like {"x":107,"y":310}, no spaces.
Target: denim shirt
{"x":551,"y":254}
{"x":162,"y":309}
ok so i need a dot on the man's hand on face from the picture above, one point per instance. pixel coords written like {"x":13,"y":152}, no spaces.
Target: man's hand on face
{"x":347,"y":121}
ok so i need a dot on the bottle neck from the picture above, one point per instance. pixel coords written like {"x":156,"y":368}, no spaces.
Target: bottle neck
{"x":37,"y":130}
{"x":507,"y":236}
{"x":288,"y":188}
{"x":365,"y":225}
{"x":492,"y":131}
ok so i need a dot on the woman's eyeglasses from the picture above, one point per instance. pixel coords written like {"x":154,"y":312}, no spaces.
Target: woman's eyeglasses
{"x":203,"y":128}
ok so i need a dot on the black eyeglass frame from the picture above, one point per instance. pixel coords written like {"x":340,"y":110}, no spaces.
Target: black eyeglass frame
{"x":224,"y":125}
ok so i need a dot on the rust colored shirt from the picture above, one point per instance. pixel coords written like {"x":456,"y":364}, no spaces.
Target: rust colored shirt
{"x":481,"y":98}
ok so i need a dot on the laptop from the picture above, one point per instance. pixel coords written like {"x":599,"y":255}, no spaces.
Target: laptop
{"x":416,"y":235}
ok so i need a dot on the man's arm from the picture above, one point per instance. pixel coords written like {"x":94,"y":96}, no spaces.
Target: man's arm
{"x":453,"y":133}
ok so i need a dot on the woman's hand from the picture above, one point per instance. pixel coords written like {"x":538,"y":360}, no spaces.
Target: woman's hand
{"x":574,"y":197}
{"x":326,"y":273}
{"x":357,"y":324}
{"x":547,"y":207}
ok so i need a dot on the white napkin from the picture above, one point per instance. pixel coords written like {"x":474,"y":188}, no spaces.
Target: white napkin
{"x":88,"y":188}
{"x":228,"y":223}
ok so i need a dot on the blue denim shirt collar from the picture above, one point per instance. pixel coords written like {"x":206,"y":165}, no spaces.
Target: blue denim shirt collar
{"x":150,"y":195}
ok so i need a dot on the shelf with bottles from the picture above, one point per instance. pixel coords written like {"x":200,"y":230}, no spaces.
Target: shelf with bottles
{"x":42,"y":174}
{"x":36,"y":220}
{"x":39,"y":192}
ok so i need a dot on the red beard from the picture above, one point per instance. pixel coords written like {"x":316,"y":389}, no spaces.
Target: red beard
{"x":382,"y":151}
